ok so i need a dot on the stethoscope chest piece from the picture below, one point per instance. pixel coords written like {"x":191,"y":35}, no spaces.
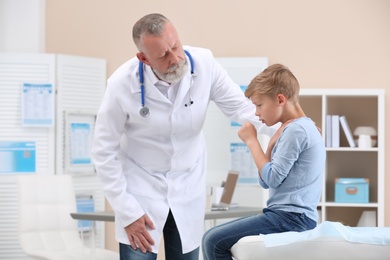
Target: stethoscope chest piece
{"x":144,"y":111}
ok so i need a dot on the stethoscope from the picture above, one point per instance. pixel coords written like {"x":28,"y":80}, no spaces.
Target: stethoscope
{"x":145,"y":111}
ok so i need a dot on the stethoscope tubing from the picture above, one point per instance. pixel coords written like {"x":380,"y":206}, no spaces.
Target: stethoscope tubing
{"x":141,"y":81}
{"x":144,"y":111}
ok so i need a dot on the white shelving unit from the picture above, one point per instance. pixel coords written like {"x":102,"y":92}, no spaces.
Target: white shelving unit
{"x":362,"y":107}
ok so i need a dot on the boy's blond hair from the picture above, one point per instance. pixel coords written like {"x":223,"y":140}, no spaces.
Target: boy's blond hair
{"x":274,"y":80}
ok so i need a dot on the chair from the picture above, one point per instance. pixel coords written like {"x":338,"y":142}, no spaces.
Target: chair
{"x":46,"y":229}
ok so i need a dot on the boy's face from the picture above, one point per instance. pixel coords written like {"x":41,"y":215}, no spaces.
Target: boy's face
{"x":268,"y":109}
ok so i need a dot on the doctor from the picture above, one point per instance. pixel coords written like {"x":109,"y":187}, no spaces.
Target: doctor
{"x":148,"y":147}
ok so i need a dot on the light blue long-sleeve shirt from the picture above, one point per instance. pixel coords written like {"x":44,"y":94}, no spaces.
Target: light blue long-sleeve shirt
{"x":294,"y":175}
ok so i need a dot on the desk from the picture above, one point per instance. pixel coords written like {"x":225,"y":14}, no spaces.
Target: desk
{"x":235,"y":212}
{"x":230,"y":213}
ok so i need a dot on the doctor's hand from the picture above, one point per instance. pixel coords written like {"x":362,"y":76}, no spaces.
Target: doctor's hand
{"x":138,"y":234}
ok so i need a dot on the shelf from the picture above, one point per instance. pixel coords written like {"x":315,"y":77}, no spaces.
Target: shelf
{"x":351,"y":149}
{"x":346,"y":161}
{"x":352,"y":205}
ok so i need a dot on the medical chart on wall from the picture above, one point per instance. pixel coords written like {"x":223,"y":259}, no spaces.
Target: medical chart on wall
{"x":17,"y":157}
{"x":85,"y":203}
{"x":78,"y":142}
{"x":38,"y":105}
{"x":236,"y":124}
{"x":241,"y":160}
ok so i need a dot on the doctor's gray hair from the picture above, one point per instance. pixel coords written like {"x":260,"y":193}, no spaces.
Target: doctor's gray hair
{"x":151,"y":24}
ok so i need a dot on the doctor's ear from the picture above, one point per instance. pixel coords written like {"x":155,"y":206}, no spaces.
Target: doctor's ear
{"x":142,"y":58}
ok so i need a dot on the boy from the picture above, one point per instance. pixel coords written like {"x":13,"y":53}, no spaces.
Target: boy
{"x":291,"y":168}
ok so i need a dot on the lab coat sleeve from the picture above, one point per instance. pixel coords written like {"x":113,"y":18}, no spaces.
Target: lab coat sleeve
{"x":232,"y":102}
{"x":105,"y":150}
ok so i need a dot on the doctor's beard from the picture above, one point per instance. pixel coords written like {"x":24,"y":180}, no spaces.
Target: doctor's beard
{"x":175,"y":72}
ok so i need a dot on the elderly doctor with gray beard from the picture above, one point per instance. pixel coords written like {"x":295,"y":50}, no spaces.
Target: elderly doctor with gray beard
{"x":149,"y":150}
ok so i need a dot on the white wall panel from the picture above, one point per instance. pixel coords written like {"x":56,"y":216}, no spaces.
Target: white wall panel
{"x":80,"y":87}
{"x":16,"y":69}
{"x":80,"y":84}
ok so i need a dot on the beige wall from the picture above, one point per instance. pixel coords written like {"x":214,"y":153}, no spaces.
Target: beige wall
{"x":327,"y":44}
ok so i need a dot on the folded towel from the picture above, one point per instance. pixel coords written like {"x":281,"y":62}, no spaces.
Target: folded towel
{"x":365,"y":235}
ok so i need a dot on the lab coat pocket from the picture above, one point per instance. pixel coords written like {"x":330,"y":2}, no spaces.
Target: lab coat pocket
{"x":141,"y":182}
{"x":195,"y":180}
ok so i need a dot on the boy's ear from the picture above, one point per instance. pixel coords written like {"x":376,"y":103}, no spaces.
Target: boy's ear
{"x":281,"y":99}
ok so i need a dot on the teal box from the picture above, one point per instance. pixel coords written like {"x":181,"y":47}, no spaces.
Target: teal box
{"x":351,"y":190}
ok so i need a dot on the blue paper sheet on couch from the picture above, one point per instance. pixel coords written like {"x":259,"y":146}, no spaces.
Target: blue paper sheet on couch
{"x":366,"y":235}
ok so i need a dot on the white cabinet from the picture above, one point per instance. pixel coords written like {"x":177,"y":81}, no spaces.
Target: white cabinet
{"x":361,"y":107}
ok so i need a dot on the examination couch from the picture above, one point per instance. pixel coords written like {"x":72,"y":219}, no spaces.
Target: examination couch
{"x":329,"y":240}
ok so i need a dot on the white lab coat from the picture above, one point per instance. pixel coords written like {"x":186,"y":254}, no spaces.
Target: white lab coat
{"x":153,"y":164}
